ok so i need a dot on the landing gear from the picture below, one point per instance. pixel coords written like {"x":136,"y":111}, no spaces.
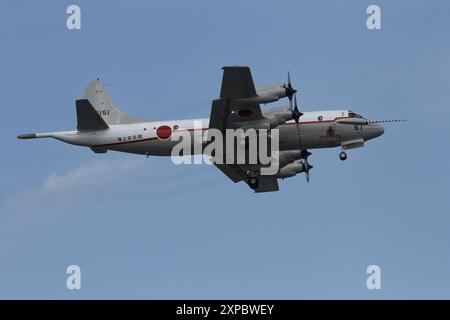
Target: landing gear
{"x":343,"y":156}
{"x":253,"y":183}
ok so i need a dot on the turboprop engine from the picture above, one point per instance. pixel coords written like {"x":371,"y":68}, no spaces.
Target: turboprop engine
{"x":278,"y":116}
{"x":275,"y":91}
{"x":265,"y":94}
{"x":287,"y":157}
{"x":291,"y":170}
{"x":270,"y":93}
{"x":289,"y":166}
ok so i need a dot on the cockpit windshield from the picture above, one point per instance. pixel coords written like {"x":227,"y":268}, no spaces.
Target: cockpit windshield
{"x":352,"y":114}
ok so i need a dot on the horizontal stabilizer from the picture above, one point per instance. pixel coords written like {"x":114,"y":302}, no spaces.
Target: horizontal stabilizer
{"x":87,"y":117}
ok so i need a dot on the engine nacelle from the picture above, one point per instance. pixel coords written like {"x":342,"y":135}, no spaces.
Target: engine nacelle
{"x":278,"y":116}
{"x":287,"y":157}
{"x":275,"y":90}
{"x":290,"y":170}
{"x":265,"y":94}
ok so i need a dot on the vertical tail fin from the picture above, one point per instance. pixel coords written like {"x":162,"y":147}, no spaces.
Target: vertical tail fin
{"x":98,"y":96}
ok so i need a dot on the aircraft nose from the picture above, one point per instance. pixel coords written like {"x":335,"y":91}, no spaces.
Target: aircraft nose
{"x":373,"y":130}
{"x":379,"y":130}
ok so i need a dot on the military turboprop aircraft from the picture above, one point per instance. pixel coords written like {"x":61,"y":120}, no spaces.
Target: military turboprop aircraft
{"x":102,"y":127}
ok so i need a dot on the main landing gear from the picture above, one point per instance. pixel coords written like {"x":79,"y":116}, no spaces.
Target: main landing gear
{"x":343,"y":155}
{"x":253,"y":182}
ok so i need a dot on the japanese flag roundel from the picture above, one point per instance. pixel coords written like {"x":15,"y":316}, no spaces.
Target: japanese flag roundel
{"x":163,"y":132}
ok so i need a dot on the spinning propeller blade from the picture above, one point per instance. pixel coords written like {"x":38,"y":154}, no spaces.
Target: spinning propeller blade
{"x":306,"y":166}
{"x":290,"y":91}
{"x":291,"y":94}
{"x":296,"y":114}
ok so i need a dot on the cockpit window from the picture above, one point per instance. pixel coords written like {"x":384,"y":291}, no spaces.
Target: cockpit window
{"x":352,"y":114}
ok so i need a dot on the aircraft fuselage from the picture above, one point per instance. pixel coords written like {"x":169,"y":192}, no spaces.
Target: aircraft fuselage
{"x":320,"y":129}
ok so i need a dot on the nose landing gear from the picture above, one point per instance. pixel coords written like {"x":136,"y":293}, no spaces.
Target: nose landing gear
{"x":343,"y":155}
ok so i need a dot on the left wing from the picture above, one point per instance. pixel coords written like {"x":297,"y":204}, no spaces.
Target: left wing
{"x":235,"y":109}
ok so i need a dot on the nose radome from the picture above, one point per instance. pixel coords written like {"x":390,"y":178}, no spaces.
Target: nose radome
{"x":373,"y":131}
{"x":380,"y":130}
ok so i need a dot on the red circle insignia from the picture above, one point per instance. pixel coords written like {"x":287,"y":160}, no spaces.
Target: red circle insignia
{"x":245,"y":113}
{"x":163,"y":132}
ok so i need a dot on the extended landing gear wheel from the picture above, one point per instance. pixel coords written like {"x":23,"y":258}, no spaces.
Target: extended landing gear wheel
{"x":343,"y":156}
{"x":253,"y":183}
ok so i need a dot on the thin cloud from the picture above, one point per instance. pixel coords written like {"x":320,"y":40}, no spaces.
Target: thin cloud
{"x":83,"y":178}
{"x":107,"y":178}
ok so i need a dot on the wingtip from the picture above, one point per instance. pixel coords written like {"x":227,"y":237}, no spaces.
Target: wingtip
{"x":235,"y":67}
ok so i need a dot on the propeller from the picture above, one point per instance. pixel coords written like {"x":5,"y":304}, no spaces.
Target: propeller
{"x":290,"y":91}
{"x":296,"y":114}
{"x":306,"y":166}
{"x":291,"y":94}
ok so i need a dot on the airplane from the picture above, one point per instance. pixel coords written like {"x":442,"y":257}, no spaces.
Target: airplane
{"x":101,"y":126}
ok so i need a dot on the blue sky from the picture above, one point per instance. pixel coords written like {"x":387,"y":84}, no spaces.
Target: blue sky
{"x":144,"y":228}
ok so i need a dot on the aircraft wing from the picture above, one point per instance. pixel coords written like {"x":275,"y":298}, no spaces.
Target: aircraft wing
{"x":237,"y":173}
{"x":234,"y":110}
